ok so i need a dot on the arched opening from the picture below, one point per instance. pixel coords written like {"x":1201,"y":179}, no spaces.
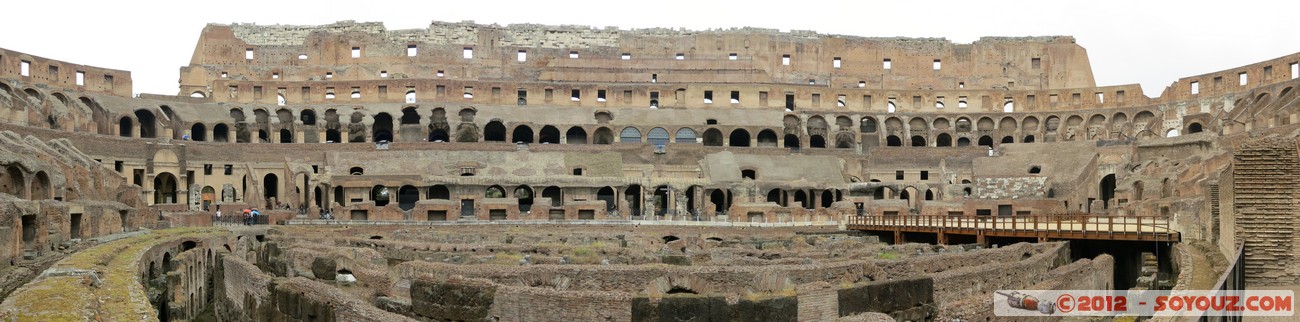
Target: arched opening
{"x":1194,"y":128}
{"x":918,"y":140}
{"x":380,"y":195}
{"x":686,"y":135}
{"x":963,"y":141}
{"x":575,"y":135}
{"x":407,"y":196}
{"x":286,"y":136}
{"x":721,"y":201}
{"x":1008,"y":107}
{"x":629,"y":135}
{"x":41,"y":186}
{"x":844,"y":140}
{"x":712,"y":137}
{"x":125,"y":127}
{"x":382,"y":131}
{"x":893,"y":140}
{"x":1137,"y":190}
{"x":164,"y":189}
{"x":494,"y":132}
{"x":1028,"y":139}
{"x":220,"y":133}
{"x":338,"y":196}
{"x":943,"y":140}
{"x":209,"y":197}
{"x":524,"y":195}
{"x":410,"y":116}
{"x":606,"y":194}
{"x":270,"y":187}
{"x":555,"y":194}
{"x":1008,"y":139}
{"x":308,"y":117}
{"x":199,"y":132}
{"x":986,"y":141}
{"x":148,"y":123}
{"x":438,"y":135}
{"x":549,"y":135}
{"x":439,"y":192}
{"x":801,"y":197}
{"x":739,"y":138}
{"x":603,"y":135}
{"x":633,"y":196}
{"x":262,"y":137}
{"x":1172,"y":133}
{"x":767,"y":138}
{"x":661,"y":200}
{"x":1106,"y":190}
{"x":828,"y":198}
{"x":318,"y":196}
{"x":868,"y":125}
{"x":522,"y":134}
{"x":777,"y":196}
{"x":657,"y":136}
{"x":816,"y":141}
{"x":929,"y":194}
{"x":791,"y":141}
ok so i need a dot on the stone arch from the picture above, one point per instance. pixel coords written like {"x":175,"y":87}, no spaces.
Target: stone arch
{"x":963,"y":141}
{"x":575,"y":135}
{"x":943,"y":139}
{"x":148,"y":123}
{"x":1118,"y":121}
{"x":917,"y":123}
{"x":685,"y":135}
{"x":380,"y":195}
{"x":893,"y":124}
{"x":918,"y":140}
{"x":712,"y":137}
{"x":816,"y":141}
{"x":767,"y":138}
{"x":963,"y":124}
{"x":1097,"y":120}
{"x":439,"y":192}
{"x":1029,"y":124}
{"x":1007,"y":124}
{"x":984,"y":124}
{"x":41,"y":188}
{"x":198,"y":132}
{"x":522,"y":134}
{"x":1194,"y":127}
{"x":739,"y":138}
{"x":867,"y":124}
{"x":382,"y":130}
{"x":791,"y":141}
{"x":1106,"y":190}
{"x":410,"y":115}
{"x":286,"y":136}
{"x":164,"y":189}
{"x":603,"y":135}
{"x":271,"y":187}
{"x":494,"y":132}
{"x":308,"y":117}
{"x":549,"y":135}
{"x":407,"y":196}
{"x":606,"y":194}
{"x":657,"y":136}
{"x":13,"y":181}
{"x":284,"y":116}
{"x":220,"y":133}
{"x":1073,"y":121}
{"x":629,"y":135}
{"x":893,"y":140}
{"x":843,"y":122}
{"x":986,"y":141}
{"x":1052,"y":124}
{"x":941,"y":123}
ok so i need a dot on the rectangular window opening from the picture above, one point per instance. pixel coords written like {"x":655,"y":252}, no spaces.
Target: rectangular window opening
{"x":441,"y":74}
{"x":1196,"y":88}
{"x":732,"y":56}
{"x":469,"y":92}
{"x":356,"y":92}
{"x":600,"y":95}
{"x":575,"y":95}
{"x":1295,"y":70}
{"x":1101,"y":97}
{"x":862,"y":84}
{"x":938,"y":64}
{"x":654,"y":78}
{"x":356,"y":52}
{"x":1241,"y":79}
{"x":925,"y":175}
{"x":785,"y":60}
{"x":81,"y":78}
{"x":817,"y":99}
{"x":835,"y":62}
{"x":248,"y":53}
{"x":54,"y":72}
{"x":412,"y":50}
{"x":839,"y":100}
{"x":888,"y":64}
{"x":898,"y":175}
{"x":25,"y":68}
{"x":1036,"y":63}
{"x":523,"y":56}
{"x":681,"y":56}
{"x":708,"y":97}
{"x":277,"y":75}
{"x":468,"y":53}
{"x":735,"y":97}
{"x":382,"y":74}
{"x":626,"y":56}
{"x":573,"y":54}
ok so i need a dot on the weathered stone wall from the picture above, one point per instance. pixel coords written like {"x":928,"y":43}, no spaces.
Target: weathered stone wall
{"x":515,"y":303}
{"x":1265,"y":180}
{"x":1084,"y":274}
{"x":242,"y":289}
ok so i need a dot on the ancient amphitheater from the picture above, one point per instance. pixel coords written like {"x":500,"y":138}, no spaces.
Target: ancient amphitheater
{"x":469,"y":172}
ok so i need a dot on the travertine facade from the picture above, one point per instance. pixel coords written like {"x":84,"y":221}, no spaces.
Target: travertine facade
{"x":484,"y":125}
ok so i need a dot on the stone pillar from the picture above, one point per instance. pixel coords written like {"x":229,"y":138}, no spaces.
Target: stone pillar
{"x":298,"y":135}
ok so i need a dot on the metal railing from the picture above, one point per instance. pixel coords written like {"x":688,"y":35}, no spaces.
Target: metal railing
{"x":1232,"y":282}
{"x":1151,"y":226}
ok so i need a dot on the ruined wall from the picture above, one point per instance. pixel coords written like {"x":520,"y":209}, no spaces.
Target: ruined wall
{"x":64,"y":75}
{"x":1265,"y":177}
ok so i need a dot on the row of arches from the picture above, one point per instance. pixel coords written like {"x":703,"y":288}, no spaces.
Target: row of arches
{"x":1028,"y":123}
{"x":16,"y":181}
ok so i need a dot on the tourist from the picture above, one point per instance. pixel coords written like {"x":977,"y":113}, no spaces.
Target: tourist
{"x":218,"y":214}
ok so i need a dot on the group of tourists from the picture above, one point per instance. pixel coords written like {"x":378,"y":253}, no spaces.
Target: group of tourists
{"x":251,"y":216}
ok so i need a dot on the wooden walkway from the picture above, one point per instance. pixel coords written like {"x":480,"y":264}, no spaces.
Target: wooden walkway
{"x":1042,"y":227}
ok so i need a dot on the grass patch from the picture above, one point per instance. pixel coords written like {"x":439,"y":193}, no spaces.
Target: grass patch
{"x":889,"y":255}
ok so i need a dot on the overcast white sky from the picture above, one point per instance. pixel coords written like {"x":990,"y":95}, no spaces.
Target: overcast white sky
{"x":1148,"y":42}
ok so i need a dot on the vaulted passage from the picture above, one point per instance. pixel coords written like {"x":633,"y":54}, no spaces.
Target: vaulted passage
{"x":494,"y":132}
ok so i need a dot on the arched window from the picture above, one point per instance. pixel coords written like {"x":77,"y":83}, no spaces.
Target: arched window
{"x":657,"y":136}
{"x":686,"y":135}
{"x":630,"y":135}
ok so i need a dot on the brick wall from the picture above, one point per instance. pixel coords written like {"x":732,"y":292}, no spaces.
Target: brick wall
{"x":1266,"y":182}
